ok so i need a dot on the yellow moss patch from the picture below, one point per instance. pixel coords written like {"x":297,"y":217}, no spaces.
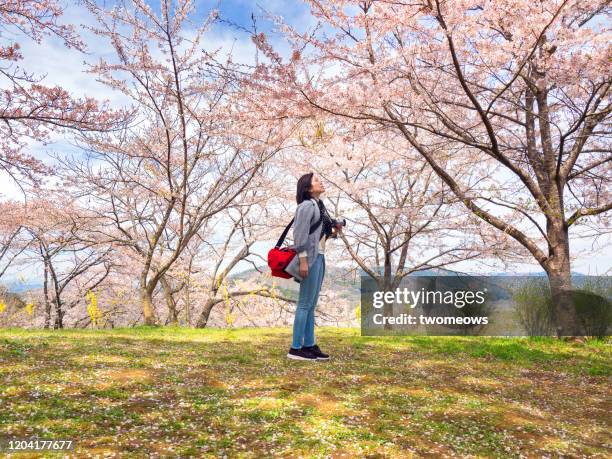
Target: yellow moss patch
{"x":112,"y":377}
{"x":14,"y":391}
{"x":269,"y":404}
{"x":323,"y":403}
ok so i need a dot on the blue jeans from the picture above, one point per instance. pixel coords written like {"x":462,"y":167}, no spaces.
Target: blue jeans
{"x":303,"y":325}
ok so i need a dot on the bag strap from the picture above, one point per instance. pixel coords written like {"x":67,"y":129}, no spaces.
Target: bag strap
{"x":313,"y":227}
{"x":284,"y":235}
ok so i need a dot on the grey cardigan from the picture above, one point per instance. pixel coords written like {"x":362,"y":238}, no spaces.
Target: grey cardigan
{"x":306,"y":214}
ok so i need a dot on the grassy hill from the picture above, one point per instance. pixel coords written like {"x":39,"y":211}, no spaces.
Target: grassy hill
{"x":172,"y":392}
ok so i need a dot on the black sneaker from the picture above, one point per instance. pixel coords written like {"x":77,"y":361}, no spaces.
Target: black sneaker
{"x":317,"y":352}
{"x":301,"y":354}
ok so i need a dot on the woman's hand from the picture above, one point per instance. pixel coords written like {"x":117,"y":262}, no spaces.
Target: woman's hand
{"x":303,"y":267}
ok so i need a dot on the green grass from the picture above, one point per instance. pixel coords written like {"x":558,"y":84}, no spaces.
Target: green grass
{"x":176,"y":392}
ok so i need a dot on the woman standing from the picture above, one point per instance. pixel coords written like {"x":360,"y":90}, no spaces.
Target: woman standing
{"x":310,"y":248}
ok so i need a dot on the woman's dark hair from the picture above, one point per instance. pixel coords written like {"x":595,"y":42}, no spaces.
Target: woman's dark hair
{"x":303,"y":188}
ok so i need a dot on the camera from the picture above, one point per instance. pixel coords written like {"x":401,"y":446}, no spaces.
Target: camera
{"x":338,"y":222}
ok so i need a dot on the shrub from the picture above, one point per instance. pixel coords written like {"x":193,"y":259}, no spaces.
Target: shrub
{"x":533,"y":305}
{"x":594,"y":312}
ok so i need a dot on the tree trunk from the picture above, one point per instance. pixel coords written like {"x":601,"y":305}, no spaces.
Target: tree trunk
{"x":187,"y":304}
{"x":46,"y":293}
{"x":560,"y":280}
{"x":146,"y":297}
{"x":388,"y":308}
{"x":170,"y":302}
{"x":205,"y":314}
{"x":59,"y":315}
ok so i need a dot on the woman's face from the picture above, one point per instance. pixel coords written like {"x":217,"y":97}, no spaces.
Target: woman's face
{"x":316,"y":185}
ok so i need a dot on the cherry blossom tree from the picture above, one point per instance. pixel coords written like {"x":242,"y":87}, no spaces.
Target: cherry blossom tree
{"x":403,"y":218}
{"x":30,"y":110}
{"x":50,"y":237}
{"x":13,"y":241}
{"x":522,"y":86}
{"x":67,"y":259}
{"x":241,"y":227}
{"x":194,"y":149}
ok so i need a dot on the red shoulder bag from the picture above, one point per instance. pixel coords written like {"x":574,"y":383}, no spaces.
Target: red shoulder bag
{"x":279,"y":258}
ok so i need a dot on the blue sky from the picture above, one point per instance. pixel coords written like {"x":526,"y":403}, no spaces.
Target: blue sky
{"x":65,"y":67}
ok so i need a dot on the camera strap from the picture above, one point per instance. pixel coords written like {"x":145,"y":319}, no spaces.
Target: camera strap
{"x":313,"y":228}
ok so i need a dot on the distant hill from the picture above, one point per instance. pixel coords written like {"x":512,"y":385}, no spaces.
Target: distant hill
{"x":342,"y":277}
{"x":535,"y":274}
{"x":19,"y":286}
{"x":342,"y":273}
{"x":427,"y":272}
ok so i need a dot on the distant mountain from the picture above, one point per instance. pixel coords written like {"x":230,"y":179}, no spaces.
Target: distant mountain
{"x":18,"y":286}
{"x":343,"y":273}
{"x":535,"y":274}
